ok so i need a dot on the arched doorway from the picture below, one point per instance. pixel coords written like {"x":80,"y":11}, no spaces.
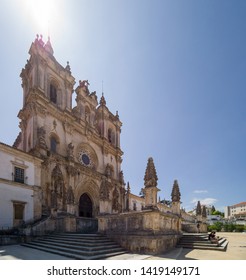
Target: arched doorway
{"x":85,"y":206}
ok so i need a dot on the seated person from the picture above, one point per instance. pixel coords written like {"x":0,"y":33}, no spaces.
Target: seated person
{"x":212,"y":237}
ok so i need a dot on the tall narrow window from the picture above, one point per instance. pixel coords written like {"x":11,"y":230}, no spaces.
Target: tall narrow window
{"x":110,"y":135}
{"x":53,"y":94}
{"x":19,"y":175}
{"x":53,"y":145}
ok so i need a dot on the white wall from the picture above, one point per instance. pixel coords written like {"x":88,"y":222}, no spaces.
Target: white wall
{"x":8,"y":193}
{"x":7,"y":163}
{"x":135,"y":199}
{"x":12,"y":191}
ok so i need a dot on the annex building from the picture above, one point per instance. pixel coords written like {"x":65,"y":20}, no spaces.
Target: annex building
{"x":64,"y":173}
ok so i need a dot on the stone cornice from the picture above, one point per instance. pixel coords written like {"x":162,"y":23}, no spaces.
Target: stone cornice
{"x":18,"y":185}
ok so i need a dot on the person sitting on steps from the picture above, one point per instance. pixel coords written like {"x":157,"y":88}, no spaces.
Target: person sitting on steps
{"x":213,"y":238}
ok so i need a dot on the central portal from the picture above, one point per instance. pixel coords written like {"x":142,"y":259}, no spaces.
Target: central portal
{"x":85,"y":206}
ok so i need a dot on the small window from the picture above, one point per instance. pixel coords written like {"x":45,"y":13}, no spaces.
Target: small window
{"x":53,"y":145}
{"x":53,"y":94}
{"x":19,"y":175}
{"x":134,"y":206}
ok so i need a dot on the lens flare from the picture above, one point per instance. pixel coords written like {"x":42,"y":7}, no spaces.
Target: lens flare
{"x":44,"y":14}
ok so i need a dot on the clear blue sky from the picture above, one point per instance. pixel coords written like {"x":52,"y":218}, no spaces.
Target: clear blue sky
{"x":175,"y":71}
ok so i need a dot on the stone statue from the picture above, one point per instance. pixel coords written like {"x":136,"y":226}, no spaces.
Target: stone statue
{"x":70,"y":196}
{"x":121,"y":178}
{"x":108,"y":171}
{"x":115,"y":202}
{"x":41,"y":137}
{"x":53,"y":199}
{"x":104,"y":189}
{"x":70,"y":150}
{"x":84,"y":83}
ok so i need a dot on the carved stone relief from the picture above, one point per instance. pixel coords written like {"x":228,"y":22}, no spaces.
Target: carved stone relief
{"x":70,"y":196}
{"x":115,"y":202}
{"x":41,"y":137}
{"x":104,"y":189}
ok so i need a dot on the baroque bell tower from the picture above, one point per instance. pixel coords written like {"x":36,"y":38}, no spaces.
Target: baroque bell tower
{"x":47,"y":87}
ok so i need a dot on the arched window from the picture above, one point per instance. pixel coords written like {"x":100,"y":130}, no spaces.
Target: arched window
{"x":53,"y":94}
{"x":53,"y":145}
{"x":110,"y":135}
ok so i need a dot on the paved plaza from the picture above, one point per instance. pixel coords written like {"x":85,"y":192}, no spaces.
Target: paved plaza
{"x":236,"y":250}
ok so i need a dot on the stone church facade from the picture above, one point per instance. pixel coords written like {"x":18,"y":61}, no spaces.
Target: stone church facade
{"x":80,"y":146}
{"x":82,"y":186}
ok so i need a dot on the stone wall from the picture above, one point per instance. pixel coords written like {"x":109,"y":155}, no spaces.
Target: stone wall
{"x":192,"y":227}
{"x":62,"y":224}
{"x":149,"y":231}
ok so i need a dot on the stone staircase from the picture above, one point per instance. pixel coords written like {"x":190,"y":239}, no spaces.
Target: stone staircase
{"x":77,"y":246}
{"x":200,"y":241}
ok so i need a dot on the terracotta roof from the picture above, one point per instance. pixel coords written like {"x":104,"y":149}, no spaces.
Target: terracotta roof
{"x":239,"y":204}
{"x":240,"y":214}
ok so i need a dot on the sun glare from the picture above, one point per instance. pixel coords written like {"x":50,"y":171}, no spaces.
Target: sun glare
{"x":44,"y":15}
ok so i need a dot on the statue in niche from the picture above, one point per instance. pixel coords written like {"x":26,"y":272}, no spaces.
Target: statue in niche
{"x":58,"y":181}
{"x":115,"y":202}
{"x":70,"y":196}
{"x":70,"y":150}
{"x":108,"y":171}
{"x":53,"y":199}
{"x":104,"y":189}
{"x":41,"y":137}
{"x":58,"y":186}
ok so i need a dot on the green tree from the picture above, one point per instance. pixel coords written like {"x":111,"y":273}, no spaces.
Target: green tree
{"x":216,"y":226}
{"x":239,"y":228}
{"x":229,"y":227}
{"x":216,"y":212}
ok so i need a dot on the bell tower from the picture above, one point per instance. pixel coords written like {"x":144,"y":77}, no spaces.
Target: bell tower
{"x":47,"y":87}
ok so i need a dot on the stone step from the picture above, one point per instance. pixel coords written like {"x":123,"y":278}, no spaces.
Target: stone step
{"x":75,"y":234}
{"x":88,"y":247}
{"x":77,"y":251}
{"x":209,"y":247}
{"x":202,"y":243}
{"x":77,"y":246}
{"x":79,"y":239}
{"x":196,"y":241}
{"x":78,"y":256}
